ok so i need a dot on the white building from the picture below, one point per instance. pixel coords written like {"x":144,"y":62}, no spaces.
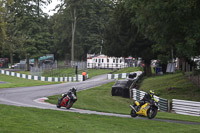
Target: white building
{"x":103,"y":61}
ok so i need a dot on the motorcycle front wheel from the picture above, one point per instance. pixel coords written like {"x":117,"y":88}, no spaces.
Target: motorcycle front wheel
{"x":69,"y":105}
{"x":151,"y":113}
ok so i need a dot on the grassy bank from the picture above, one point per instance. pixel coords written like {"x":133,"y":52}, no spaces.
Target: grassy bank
{"x":172,"y":86}
{"x":96,"y":72}
{"x":100,"y":99}
{"x":65,"y":72}
{"x":128,"y":70}
{"x":12,"y":82}
{"x":31,"y":120}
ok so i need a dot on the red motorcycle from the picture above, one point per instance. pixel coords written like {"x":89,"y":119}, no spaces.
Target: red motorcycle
{"x":67,"y":99}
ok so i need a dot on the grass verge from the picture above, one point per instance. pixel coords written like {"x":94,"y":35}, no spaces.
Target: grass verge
{"x":100,"y":99}
{"x":172,"y":86}
{"x":32,"y":120}
{"x":12,"y":82}
{"x":128,"y":70}
{"x":65,"y":72}
{"x":96,"y":72}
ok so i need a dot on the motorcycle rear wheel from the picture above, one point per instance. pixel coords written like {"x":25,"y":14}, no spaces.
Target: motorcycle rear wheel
{"x":151,"y":113}
{"x":58,"y":104}
{"x":133,"y":113}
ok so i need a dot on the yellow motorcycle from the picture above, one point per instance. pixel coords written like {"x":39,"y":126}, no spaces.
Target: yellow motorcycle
{"x":149,"y":109}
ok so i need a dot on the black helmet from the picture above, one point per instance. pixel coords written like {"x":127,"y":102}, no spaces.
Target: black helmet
{"x":74,"y":89}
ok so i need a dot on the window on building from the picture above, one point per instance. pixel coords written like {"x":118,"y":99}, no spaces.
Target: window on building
{"x":108,"y":60}
{"x":113,"y":60}
{"x":99,"y":60}
{"x":102,"y":61}
{"x":116,"y":60}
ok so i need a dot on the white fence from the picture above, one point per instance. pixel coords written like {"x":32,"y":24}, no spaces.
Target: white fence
{"x":186,"y":107}
{"x":50,"y":79}
{"x":123,"y":75}
{"x":163,"y":104}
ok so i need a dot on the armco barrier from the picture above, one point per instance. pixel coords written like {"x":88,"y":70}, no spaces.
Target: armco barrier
{"x":41,"y":78}
{"x":186,"y":107}
{"x":162,"y":103}
{"x":122,"y":75}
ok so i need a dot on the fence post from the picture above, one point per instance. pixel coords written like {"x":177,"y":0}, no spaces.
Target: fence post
{"x":168,"y":107}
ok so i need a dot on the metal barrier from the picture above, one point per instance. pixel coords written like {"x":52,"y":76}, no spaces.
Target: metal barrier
{"x":123,"y":75}
{"x":163,"y":104}
{"x":186,"y":107}
{"x":50,"y":79}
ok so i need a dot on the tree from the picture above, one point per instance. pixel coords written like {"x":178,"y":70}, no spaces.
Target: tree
{"x":84,"y":23}
{"x":122,"y":38}
{"x":71,"y":10}
{"x":173,"y":25}
{"x":3,"y":5}
{"x":27,"y":30}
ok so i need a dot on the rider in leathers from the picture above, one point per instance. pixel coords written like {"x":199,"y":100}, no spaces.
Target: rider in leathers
{"x":147,"y":97}
{"x":69,"y":93}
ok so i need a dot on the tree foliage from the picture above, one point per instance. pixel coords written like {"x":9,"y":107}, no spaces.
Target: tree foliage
{"x":124,"y":39}
{"x":140,"y":28}
{"x":171,"y":24}
{"x":26,"y":30}
{"x":91,"y":18}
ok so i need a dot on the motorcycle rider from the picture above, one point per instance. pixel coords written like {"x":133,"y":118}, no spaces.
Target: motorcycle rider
{"x":147,"y":97}
{"x":69,"y":93}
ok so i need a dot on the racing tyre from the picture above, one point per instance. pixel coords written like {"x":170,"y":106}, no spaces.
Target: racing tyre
{"x":151,"y":113}
{"x":58,"y":104}
{"x":69,"y":105}
{"x":133,"y":113}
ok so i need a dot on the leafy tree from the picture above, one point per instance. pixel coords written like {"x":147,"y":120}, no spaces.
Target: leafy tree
{"x":3,"y":5}
{"x":173,"y":25}
{"x":26,"y":31}
{"x":84,"y":23}
{"x":122,"y":38}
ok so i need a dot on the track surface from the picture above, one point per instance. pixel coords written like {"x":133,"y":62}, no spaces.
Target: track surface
{"x":34,"y":97}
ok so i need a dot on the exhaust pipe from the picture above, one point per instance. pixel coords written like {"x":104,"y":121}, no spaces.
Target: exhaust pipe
{"x":132,"y":108}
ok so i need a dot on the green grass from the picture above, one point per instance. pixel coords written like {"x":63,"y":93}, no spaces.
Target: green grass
{"x":172,"y":86}
{"x":96,"y":72}
{"x":32,"y":120}
{"x":24,"y":72}
{"x":100,"y":99}
{"x":128,"y":70}
{"x":65,"y":72}
{"x":62,"y":72}
{"x":12,"y":82}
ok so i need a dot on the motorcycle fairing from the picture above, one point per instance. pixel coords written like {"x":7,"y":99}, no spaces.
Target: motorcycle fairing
{"x":144,"y":109}
{"x":64,"y":101}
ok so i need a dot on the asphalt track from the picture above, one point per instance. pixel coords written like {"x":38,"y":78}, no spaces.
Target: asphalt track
{"x":35,"y":96}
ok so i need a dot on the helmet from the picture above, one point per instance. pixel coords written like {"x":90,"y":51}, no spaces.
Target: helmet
{"x":74,"y":89}
{"x":151,"y":92}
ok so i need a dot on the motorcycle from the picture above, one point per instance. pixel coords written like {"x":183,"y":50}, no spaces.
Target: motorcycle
{"x":67,"y":100}
{"x":149,"y":109}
